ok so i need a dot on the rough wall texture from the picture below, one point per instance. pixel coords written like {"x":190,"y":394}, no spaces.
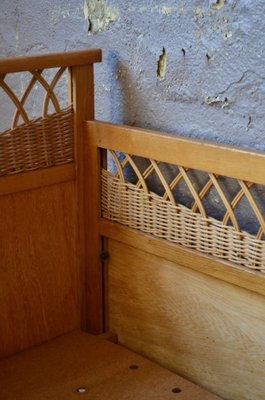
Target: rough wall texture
{"x":212,"y":84}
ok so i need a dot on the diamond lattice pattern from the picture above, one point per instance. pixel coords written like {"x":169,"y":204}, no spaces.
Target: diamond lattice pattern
{"x":40,"y":130}
{"x":217,"y":215}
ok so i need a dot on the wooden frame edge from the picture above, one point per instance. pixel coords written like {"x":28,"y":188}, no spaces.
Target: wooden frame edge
{"x":221,"y":159}
{"x":19,"y":64}
{"x":36,"y":179}
{"x":228,"y":272}
{"x":87,"y":188}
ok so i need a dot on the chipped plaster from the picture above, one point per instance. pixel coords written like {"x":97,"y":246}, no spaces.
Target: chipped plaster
{"x":99,"y":15}
{"x":162,"y":65}
{"x":217,"y":4}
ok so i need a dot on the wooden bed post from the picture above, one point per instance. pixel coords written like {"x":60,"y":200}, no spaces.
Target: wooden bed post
{"x":87,"y":163}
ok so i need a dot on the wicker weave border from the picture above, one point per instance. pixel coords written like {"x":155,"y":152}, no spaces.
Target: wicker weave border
{"x":131,"y":206}
{"x":42,"y":143}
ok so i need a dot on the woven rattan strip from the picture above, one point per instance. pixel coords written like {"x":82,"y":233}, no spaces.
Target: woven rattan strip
{"x":132,"y":206}
{"x":42,"y":143}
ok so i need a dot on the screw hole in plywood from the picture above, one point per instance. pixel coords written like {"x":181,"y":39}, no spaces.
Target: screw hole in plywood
{"x":176,"y":390}
{"x":81,"y":390}
{"x":134,"y":366}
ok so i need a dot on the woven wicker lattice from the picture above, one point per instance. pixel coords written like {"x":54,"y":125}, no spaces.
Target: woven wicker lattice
{"x":36,"y":80}
{"x":135,"y":206}
{"x":40,"y":142}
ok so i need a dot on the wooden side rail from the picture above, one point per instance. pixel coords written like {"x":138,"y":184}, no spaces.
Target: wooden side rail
{"x":244,"y":167}
{"x":221,"y":159}
{"x":184,"y":286}
{"x":29,"y":63}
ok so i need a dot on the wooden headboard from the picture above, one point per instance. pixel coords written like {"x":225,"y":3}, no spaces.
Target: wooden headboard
{"x":42,"y":264}
{"x":107,"y":227}
{"x":184,"y":286}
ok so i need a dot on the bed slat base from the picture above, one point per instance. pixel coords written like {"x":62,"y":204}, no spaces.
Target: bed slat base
{"x":57,"y":369}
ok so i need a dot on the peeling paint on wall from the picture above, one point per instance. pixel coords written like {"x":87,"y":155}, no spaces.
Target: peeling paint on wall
{"x":99,"y":15}
{"x":228,"y":35}
{"x":216,"y":101}
{"x":162,"y":65}
{"x":199,"y":12}
{"x":217,"y":4}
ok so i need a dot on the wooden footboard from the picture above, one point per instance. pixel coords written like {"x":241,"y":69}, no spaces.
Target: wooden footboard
{"x":184,"y":287}
{"x":42,"y":270}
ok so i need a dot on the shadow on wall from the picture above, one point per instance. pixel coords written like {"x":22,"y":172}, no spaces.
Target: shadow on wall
{"x":126,"y":105}
{"x":124,"y":102}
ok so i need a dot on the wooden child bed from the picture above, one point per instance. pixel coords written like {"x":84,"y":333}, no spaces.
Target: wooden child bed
{"x":108,"y":228}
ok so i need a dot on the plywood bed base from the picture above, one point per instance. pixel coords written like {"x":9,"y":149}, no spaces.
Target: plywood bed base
{"x":81,"y":365}
{"x":112,"y":228}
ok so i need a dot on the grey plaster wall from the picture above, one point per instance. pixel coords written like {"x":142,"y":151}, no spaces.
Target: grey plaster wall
{"x":212,"y":84}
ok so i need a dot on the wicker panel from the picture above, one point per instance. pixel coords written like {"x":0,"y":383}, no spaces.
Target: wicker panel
{"x":42,"y":143}
{"x":136,"y":207}
{"x":33,"y":81}
{"x":36,"y":138}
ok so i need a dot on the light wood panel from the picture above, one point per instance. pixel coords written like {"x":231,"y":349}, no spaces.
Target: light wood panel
{"x":205,"y":329}
{"x":225,"y":160}
{"x":52,"y":60}
{"x":36,"y":179}
{"x":55,"y":370}
{"x":40,"y":285}
{"x":228,"y":272}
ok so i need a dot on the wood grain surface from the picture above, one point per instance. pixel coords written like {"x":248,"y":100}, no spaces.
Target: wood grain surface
{"x":249,"y":279}
{"x":87,"y":187}
{"x":205,"y":329}
{"x":36,"y":179}
{"x":55,"y":370}
{"x":40,"y":286}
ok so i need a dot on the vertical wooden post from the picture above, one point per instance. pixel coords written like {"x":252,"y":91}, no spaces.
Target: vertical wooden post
{"x":87,"y":162}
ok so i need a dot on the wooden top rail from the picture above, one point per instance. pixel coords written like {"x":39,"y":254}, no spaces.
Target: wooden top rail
{"x":29,"y":63}
{"x":221,"y":159}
